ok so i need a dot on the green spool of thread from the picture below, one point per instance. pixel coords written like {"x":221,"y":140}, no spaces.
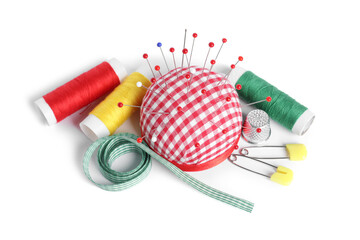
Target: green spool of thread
{"x":282,"y":108}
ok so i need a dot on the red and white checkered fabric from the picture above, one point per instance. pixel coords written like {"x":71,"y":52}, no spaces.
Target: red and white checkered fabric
{"x":206,"y":125}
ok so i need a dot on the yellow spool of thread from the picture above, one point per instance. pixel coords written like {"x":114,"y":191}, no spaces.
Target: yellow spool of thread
{"x":106,"y":117}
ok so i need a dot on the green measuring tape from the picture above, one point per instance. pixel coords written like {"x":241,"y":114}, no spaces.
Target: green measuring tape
{"x":110,"y":148}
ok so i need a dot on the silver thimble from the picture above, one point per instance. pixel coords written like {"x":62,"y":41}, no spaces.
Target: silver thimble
{"x":256,"y":128}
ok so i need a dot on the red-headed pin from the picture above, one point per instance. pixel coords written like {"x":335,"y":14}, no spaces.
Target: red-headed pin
{"x":120,"y":105}
{"x":211,"y":45}
{"x":240,"y":59}
{"x":192,"y":46}
{"x":185,"y":52}
{"x":232,"y":66}
{"x":267,"y":99}
{"x":172,"y":50}
{"x":212,"y":62}
{"x":224,"y":40}
{"x":157,"y":68}
{"x":146,"y":56}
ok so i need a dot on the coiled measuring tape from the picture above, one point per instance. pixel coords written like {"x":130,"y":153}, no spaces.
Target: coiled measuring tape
{"x":112,"y":147}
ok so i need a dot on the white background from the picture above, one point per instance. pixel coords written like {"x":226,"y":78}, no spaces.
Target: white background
{"x":309,"y":49}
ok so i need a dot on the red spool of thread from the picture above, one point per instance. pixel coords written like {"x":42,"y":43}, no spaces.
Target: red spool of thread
{"x":81,"y":91}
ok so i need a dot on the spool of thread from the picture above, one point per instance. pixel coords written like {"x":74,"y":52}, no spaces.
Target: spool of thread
{"x":81,"y":91}
{"x":283,"y":108}
{"x":106,"y":117}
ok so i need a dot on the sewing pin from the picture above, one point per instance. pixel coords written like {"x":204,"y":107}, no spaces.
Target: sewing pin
{"x":192,"y":46}
{"x":157,"y":68}
{"x":182,"y":59}
{"x":159,"y":44}
{"x":139,"y":84}
{"x":172,"y":50}
{"x":185,"y":51}
{"x":120,"y":105}
{"x":232,"y":66}
{"x":212,"y":62}
{"x":224,"y":40}
{"x":140,"y":139}
{"x":267,"y":99}
{"x":145,"y":56}
{"x":211,"y":45}
{"x":240,"y":59}
{"x":192,"y":71}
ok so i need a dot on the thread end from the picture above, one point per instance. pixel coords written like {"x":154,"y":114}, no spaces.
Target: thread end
{"x":303,"y":123}
{"x":118,"y":68}
{"x":94,"y":128}
{"x":46,"y":111}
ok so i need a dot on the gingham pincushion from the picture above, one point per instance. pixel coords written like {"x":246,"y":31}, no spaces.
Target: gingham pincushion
{"x":191,"y":118}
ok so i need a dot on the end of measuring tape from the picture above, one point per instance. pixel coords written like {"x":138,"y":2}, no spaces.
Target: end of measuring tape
{"x":297,"y":152}
{"x":282,"y":176}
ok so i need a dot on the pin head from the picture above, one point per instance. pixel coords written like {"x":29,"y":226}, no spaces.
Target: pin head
{"x":120,"y":104}
{"x":228,"y":99}
{"x":179,"y":109}
{"x":258,"y":130}
{"x":139,"y":140}
{"x":185,"y":51}
{"x":153,"y":80}
{"x":145,"y":56}
{"x":268,"y":99}
{"x":211,"y":44}
{"x":238,"y":86}
{"x":232,"y":66}
{"x":203,"y":91}
{"x":195,"y":35}
{"x":157,"y":68}
{"x":187,"y":76}
{"x":159,"y":44}
{"x":240,"y":58}
{"x":224,"y":131}
{"x":172,"y":49}
{"x":138,"y":84}
{"x":197,"y":145}
{"x":212,"y":62}
{"x":224,"y":40}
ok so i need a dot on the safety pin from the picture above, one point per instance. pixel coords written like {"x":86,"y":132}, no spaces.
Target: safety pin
{"x":282,"y":175}
{"x":295,"y":152}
